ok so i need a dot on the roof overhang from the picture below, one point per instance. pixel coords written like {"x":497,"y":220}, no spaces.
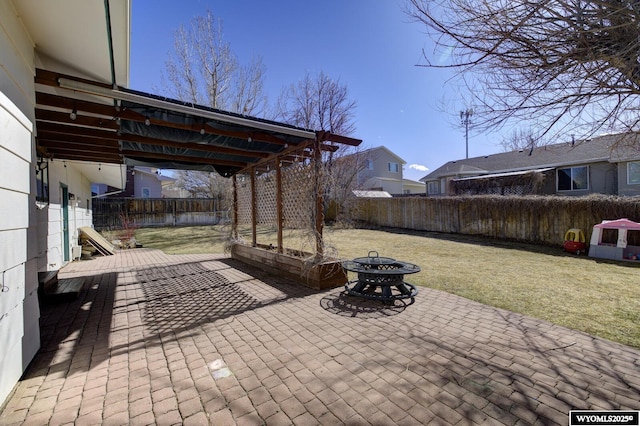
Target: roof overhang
{"x":87,"y":38}
{"x":84,"y":120}
{"x":113,"y":175}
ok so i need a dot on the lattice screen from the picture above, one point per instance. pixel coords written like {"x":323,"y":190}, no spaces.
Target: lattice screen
{"x":266,"y":212}
{"x":298,"y":194}
{"x":243,"y":191}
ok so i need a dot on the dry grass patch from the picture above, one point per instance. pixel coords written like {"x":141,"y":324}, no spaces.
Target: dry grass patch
{"x":598,"y":297}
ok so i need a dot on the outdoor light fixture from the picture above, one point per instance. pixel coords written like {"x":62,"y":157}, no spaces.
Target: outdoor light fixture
{"x":202,"y":131}
{"x":41,"y":164}
{"x":249,"y":139}
{"x":147,"y":122}
{"x":74,"y":114}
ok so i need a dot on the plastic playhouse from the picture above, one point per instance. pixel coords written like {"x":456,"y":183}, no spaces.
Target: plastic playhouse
{"x":574,"y":241}
{"x":616,"y":240}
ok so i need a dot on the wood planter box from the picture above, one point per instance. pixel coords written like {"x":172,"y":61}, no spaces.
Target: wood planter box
{"x":293,"y":265}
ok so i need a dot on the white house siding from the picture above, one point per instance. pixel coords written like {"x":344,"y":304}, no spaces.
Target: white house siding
{"x":19,"y":249}
{"x":80,"y":214}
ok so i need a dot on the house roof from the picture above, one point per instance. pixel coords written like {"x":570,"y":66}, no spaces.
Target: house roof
{"x":382,"y":148}
{"x":370,"y":194}
{"x":604,"y":148}
{"x":412,"y":182}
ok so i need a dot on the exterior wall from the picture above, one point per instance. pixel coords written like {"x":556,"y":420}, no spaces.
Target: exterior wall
{"x":413,"y":189}
{"x":79,"y":214}
{"x":20,"y":247}
{"x":393,"y":187}
{"x":149,"y":181}
{"x":624,"y":187}
{"x":603,"y":179}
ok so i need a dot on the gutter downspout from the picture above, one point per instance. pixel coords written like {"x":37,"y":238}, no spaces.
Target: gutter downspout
{"x":107,"y":12}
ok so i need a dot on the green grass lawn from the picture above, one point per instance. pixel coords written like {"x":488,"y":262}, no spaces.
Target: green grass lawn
{"x":599,"y":297}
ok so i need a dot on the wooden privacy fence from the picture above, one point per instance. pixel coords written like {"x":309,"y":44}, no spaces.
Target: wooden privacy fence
{"x":534,"y":219}
{"x":112,"y":213}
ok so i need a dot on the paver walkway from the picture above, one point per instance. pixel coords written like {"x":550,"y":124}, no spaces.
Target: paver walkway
{"x":201,"y":339}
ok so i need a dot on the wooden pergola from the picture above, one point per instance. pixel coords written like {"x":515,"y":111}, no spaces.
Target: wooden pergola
{"x":89,"y":121}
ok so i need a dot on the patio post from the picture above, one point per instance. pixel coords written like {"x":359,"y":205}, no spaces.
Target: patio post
{"x":279,"y":212}
{"x":317,"y":159}
{"x":234,"y":223}
{"x":254,"y":210}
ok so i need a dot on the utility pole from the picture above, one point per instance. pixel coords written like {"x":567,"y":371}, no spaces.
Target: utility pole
{"x":465,"y":118}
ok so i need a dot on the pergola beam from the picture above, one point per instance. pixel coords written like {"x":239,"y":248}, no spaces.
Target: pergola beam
{"x":75,"y":131}
{"x":183,"y":158}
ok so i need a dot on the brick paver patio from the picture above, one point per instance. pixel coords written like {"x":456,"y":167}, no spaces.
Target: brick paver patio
{"x":202,"y":339}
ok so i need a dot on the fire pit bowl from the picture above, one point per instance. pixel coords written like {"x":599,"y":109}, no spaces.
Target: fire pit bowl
{"x":380,"y":278}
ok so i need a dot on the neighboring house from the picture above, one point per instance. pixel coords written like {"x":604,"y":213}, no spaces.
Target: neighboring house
{"x":141,"y":182}
{"x":604,"y":165}
{"x":381,"y":170}
{"x":145,"y":182}
{"x":45,"y":200}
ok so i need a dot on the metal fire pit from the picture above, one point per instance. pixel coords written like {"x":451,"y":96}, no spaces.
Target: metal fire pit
{"x":380,"y":278}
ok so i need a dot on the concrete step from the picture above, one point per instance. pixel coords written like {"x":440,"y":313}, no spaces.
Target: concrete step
{"x":67,"y":289}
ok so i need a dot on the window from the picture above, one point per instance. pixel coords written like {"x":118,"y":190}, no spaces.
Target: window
{"x":42,"y":181}
{"x":633,"y":237}
{"x":633,"y":173}
{"x":573,"y":178}
{"x":609,"y":237}
{"x":394,"y":167}
{"x":146,"y":193}
{"x":369,"y":164}
{"x":432,"y":188}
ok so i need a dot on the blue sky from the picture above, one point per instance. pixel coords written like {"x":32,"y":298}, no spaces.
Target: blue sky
{"x":368,"y":45}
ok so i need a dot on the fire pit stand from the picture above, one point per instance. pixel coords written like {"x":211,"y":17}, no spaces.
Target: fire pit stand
{"x":380,"y":273}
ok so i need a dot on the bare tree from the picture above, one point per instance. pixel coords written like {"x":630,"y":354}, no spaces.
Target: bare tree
{"x":205,"y":185}
{"x":319,"y":103}
{"x":561,"y":62}
{"x":322,"y":103}
{"x":204,"y":70}
{"x":520,"y":139}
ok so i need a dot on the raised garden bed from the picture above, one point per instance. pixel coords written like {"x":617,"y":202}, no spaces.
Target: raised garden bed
{"x":292,"y":264}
